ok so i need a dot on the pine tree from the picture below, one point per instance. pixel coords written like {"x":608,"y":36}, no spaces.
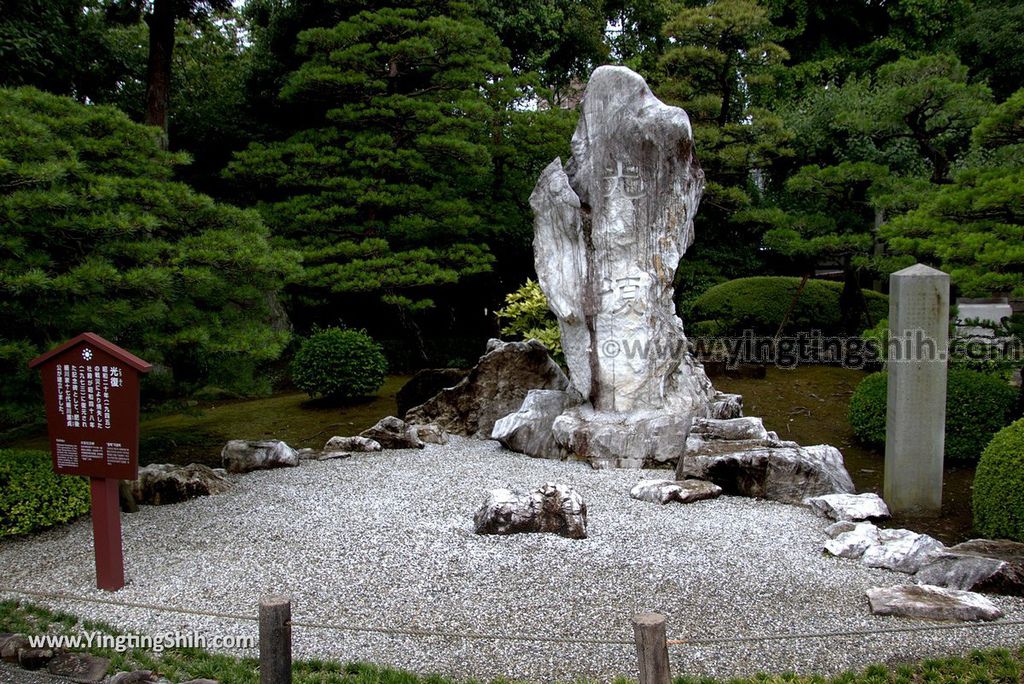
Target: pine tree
{"x":96,"y":237}
{"x":385,"y":190}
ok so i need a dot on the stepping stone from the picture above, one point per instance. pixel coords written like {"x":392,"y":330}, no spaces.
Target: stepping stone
{"x":10,"y":647}
{"x":34,"y":658}
{"x":79,"y":667}
{"x":931,"y":603}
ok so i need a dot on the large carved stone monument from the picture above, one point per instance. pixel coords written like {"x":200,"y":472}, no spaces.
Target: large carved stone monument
{"x":610,"y":228}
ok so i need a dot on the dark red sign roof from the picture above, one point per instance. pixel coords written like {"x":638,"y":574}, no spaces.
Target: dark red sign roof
{"x":94,"y":339}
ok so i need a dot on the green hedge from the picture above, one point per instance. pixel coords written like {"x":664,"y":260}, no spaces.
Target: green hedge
{"x":32,"y":497}
{"x":998,"y":500}
{"x":339,"y":363}
{"x":977,"y":405}
{"x":761,"y":303}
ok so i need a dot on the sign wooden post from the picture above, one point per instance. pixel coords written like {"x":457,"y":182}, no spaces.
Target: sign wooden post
{"x":91,"y":390}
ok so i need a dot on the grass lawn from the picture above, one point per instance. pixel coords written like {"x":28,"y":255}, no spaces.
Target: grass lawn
{"x":996,"y":666}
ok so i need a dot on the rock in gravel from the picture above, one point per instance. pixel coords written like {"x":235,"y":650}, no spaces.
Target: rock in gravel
{"x":855,"y":507}
{"x":853,"y":543}
{"x":902,"y":550}
{"x":725,"y":406}
{"x":333,"y":455}
{"x":786,"y":474}
{"x":243,"y":456}
{"x":750,"y":427}
{"x":431,"y":434}
{"x":201,"y":681}
{"x":971,"y":573}
{"x":984,"y":565}
{"x":931,"y":603}
{"x":553,"y":508}
{"x":1003,"y":549}
{"x":166,"y":483}
{"x":495,"y":387}
{"x":528,"y":430}
{"x":837,"y":528}
{"x":351,"y":444}
{"x":11,"y":646}
{"x":79,"y":667}
{"x":393,"y":433}
{"x":35,"y":658}
{"x":424,"y":385}
{"x":683,"y":491}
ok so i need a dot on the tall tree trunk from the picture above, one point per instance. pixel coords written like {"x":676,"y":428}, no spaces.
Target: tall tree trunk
{"x":878,"y":250}
{"x":158,"y":70}
{"x":852,"y":304}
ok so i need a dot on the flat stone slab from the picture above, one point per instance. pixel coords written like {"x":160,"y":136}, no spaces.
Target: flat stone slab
{"x":683,"y":491}
{"x":854,"y":507}
{"x":931,"y":603}
{"x":79,"y":667}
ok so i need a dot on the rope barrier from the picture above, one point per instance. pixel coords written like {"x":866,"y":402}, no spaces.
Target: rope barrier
{"x":472,"y":636}
{"x":843,"y":633}
{"x":397,"y":631}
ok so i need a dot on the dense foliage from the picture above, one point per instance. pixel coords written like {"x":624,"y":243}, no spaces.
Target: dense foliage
{"x":32,"y":497}
{"x":340,"y":364}
{"x":977,"y":405}
{"x":998,"y":500}
{"x":382,"y":191}
{"x":96,"y":236}
{"x":762,"y":304}
{"x":390,"y":148}
{"x":526,"y":316}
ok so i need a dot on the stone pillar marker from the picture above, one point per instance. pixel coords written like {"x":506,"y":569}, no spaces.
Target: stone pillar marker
{"x":915,"y":420}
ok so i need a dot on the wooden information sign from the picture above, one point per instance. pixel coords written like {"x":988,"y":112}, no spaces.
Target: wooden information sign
{"x":91,"y":390}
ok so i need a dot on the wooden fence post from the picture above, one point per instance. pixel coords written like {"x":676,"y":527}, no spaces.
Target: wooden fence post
{"x":275,"y":640}
{"x":651,"y":648}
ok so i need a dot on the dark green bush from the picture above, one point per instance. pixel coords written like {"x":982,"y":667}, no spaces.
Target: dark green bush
{"x":977,"y":405}
{"x":998,"y":500}
{"x":339,"y":363}
{"x":32,"y":497}
{"x":760,"y":304}
{"x":866,"y":412}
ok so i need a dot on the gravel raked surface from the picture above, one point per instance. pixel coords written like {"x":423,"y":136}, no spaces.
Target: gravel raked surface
{"x":386,"y":540}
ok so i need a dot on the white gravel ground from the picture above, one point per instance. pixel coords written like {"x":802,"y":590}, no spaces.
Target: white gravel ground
{"x":387,"y":540}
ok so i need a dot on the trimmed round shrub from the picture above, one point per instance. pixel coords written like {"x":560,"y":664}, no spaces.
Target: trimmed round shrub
{"x":760,"y":304}
{"x":998,"y":500}
{"x":33,"y":497}
{"x":977,"y":405}
{"x":339,"y":363}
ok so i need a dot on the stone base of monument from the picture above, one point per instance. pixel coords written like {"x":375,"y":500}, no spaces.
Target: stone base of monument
{"x":622,"y":440}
